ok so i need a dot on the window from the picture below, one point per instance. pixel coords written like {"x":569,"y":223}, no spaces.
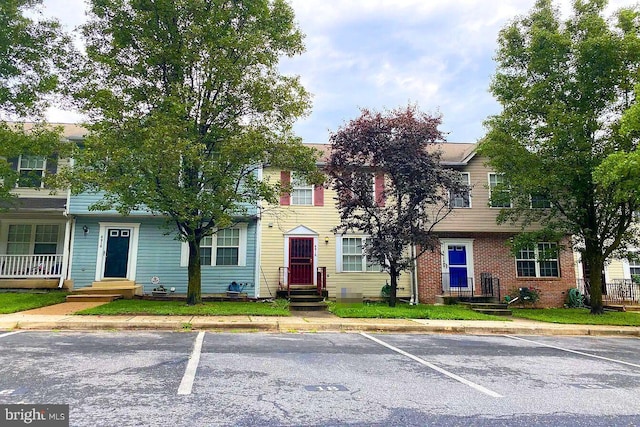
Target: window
{"x":354,"y":258}
{"x":499,"y":191}
{"x":462,"y":199}
{"x":538,"y":261}
{"x":634,"y":267}
{"x":26,"y":239}
{"x":540,"y":201}
{"x":227,"y":247}
{"x":301,"y":192}
{"x":31,"y":171}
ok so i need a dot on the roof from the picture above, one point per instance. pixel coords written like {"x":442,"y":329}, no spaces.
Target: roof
{"x":69,"y":130}
{"x":452,"y":153}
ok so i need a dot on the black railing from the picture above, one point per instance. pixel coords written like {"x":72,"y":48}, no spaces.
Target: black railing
{"x":464,"y":287}
{"x":616,"y":291}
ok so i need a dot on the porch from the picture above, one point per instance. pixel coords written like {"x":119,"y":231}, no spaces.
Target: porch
{"x":31,"y":266}
{"x":303,"y":296}
{"x":623,"y":292}
{"x":461,"y":288}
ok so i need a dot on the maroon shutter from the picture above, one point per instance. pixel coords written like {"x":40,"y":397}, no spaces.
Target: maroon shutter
{"x":318,"y":195}
{"x":285,"y":179}
{"x":379,"y":189}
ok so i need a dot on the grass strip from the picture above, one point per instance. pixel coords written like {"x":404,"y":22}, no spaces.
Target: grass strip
{"x":579,"y":316}
{"x":12,"y":302}
{"x":180,"y":308}
{"x":406,"y":311}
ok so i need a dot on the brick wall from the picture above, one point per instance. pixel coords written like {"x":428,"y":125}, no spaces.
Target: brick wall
{"x":491,"y":254}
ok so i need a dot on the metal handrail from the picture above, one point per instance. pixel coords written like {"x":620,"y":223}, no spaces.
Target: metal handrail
{"x":321,"y":279}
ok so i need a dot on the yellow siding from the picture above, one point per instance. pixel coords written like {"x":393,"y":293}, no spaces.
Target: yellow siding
{"x":479,"y":217}
{"x":277,"y":220}
{"x":615,"y":270}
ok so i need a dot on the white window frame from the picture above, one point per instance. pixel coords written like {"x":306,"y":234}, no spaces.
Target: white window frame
{"x":20,"y":168}
{"x":493,"y":174}
{"x":538,"y":207}
{"x":453,"y":197}
{"x":537,"y":261}
{"x":5,"y":234}
{"x":298,"y":186}
{"x":242,"y":250}
{"x":340,"y":255}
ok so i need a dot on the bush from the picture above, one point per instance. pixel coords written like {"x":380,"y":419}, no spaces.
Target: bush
{"x":525,"y":295}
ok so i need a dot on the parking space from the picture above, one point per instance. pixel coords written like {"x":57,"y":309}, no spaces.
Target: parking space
{"x":138,"y":378}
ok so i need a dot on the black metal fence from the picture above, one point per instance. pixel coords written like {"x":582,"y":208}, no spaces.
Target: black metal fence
{"x":617,"y":291}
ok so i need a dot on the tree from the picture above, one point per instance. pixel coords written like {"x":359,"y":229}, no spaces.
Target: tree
{"x":33,"y":55}
{"x":397,"y":148}
{"x":563,"y":87}
{"x":186,"y":104}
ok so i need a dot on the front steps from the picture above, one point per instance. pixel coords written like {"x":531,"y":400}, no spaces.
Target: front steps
{"x":495,"y":309}
{"x":115,"y":289}
{"x":306,"y":298}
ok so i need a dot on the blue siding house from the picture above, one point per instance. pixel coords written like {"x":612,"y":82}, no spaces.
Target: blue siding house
{"x":108,"y":247}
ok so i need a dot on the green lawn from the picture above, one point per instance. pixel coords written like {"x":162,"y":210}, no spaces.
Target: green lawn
{"x":579,"y":316}
{"x":12,"y":302}
{"x":406,"y":311}
{"x":180,"y":308}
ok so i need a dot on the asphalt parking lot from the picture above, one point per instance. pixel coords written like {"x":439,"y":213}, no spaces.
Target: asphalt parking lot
{"x":125,"y":378}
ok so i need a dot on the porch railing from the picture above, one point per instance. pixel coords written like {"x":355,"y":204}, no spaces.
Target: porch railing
{"x":617,"y":291}
{"x":321,"y":279}
{"x":464,"y":287}
{"x":30,"y":266}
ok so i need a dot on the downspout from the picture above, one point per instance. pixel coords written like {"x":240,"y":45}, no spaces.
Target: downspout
{"x":64,"y":270}
{"x":258,"y":240}
{"x":414,"y":278}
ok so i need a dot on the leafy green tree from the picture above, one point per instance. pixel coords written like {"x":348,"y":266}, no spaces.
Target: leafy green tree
{"x":397,"y":152}
{"x":186,"y":104}
{"x":33,"y":56}
{"x":563,"y":86}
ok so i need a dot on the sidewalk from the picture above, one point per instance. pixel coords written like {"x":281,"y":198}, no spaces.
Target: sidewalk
{"x":58,"y":317}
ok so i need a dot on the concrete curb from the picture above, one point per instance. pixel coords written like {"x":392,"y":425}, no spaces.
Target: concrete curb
{"x":298,"y":325}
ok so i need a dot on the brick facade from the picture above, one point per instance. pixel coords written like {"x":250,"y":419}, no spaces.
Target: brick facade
{"x":491,"y":254}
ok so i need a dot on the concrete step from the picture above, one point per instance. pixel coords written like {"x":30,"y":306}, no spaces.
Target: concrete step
{"x":486,"y":305}
{"x":93,"y":298}
{"x":127,"y":291}
{"x":493,"y":311}
{"x":305,"y":298}
{"x":113,"y":283}
{"x":308,"y":306}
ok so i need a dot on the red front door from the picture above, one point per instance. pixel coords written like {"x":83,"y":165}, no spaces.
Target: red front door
{"x":301,"y":260}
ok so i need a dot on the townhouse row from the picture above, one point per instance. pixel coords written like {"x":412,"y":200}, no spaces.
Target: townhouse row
{"x":55,"y":239}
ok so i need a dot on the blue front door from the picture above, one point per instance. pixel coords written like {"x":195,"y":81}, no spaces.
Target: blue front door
{"x":457,"y":266}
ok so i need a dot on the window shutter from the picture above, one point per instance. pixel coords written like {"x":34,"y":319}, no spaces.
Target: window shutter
{"x":285,"y":179}
{"x":318,"y":195}
{"x":13,"y":161}
{"x":52,"y":164}
{"x":379,"y":189}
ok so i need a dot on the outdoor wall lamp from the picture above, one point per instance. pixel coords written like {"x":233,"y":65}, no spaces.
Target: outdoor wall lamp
{"x":326,"y":240}
{"x":85,"y":229}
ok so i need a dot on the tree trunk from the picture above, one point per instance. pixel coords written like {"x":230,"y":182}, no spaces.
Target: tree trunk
{"x":595,"y":264}
{"x":394,"y":286}
{"x":194,"y":288}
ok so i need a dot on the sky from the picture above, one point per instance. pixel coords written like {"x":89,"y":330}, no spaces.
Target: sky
{"x":385,"y":54}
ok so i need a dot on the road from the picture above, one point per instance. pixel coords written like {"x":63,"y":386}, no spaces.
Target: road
{"x":258,"y":379}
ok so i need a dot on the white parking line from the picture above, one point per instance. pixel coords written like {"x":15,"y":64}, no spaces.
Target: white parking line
{"x":9,"y":333}
{"x":574,"y":351}
{"x":190,"y":373}
{"x":434,"y":367}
